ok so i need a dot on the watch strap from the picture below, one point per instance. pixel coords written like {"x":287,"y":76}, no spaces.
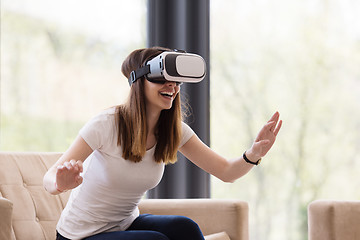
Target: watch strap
{"x":248,"y":161}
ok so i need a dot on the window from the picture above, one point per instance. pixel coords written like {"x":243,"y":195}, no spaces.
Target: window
{"x":60,"y":65}
{"x":301,"y":58}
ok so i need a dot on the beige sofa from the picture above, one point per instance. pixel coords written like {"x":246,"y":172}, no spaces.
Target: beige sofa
{"x":334,"y":220}
{"x":27,"y":211}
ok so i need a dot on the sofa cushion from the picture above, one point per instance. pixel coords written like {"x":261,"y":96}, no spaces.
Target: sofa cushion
{"x":212,"y":215}
{"x":218,"y":236}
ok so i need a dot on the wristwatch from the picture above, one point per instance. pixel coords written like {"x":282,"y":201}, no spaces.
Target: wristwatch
{"x":248,"y":161}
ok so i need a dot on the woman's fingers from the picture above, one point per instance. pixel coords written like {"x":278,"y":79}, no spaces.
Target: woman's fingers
{"x":268,"y":127}
{"x":60,"y":169}
{"x":275,"y":117}
{"x":277,"y":129}
{"x":274,"y":125}
{"x":79,"y":179}
{"x":80,"y":165}
{"x":67,"y":165}
{"x":73,"y":165}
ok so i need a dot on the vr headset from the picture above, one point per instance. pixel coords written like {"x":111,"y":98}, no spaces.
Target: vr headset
{"x":172,"y":66}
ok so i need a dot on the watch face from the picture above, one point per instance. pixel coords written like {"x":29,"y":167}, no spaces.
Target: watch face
{"x":258,"y":162}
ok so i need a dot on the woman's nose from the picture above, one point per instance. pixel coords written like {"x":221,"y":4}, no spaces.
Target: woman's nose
{"x":170,"y":83}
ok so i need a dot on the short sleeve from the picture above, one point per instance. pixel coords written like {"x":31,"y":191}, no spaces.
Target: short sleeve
{"x":187,"y":133}
{"x":96,"y":132}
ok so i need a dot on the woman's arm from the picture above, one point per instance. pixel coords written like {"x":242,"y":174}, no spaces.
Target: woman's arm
{"x":230,"y":170}
{"x":208,"y":160}
{"x":65,"y":173}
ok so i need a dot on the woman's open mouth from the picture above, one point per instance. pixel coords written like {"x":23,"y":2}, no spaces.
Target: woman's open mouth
{"x":167,"y":94}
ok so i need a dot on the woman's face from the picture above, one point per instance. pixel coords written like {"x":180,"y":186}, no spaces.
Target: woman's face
{"x":160,"y":96}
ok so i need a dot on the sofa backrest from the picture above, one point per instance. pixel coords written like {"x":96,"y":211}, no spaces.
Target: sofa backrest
{"x":35,"y":212}
{"x":334,"y":219}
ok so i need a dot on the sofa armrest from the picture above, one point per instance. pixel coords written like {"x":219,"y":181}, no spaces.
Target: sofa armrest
{"x":334,"y":220}
{"x":212,"y":215}
{"x":6,"y":207}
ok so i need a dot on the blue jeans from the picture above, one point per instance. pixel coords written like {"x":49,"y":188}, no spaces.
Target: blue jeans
{"x":153,"y":227}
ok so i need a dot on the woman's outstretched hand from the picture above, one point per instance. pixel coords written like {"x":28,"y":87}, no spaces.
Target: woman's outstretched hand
{"x":68,"y":175}
{"x":265,"y":138}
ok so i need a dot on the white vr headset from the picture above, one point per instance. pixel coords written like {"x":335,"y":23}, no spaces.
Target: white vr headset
{"x":177,"y":67}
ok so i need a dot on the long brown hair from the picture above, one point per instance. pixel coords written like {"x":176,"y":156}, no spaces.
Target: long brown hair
{"x":131,"y":116}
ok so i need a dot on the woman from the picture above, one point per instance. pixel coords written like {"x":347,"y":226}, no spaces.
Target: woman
{"x":124,"y":150}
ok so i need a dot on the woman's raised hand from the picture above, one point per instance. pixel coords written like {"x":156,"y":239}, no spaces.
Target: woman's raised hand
{"x":265,"y":138}
{"x":68,"y":175}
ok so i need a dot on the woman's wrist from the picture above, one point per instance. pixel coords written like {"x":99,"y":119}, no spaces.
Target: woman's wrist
{"x":251,"y":158}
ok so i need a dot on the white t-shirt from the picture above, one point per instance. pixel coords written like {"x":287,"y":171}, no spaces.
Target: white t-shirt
{"x":112,"y":187}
